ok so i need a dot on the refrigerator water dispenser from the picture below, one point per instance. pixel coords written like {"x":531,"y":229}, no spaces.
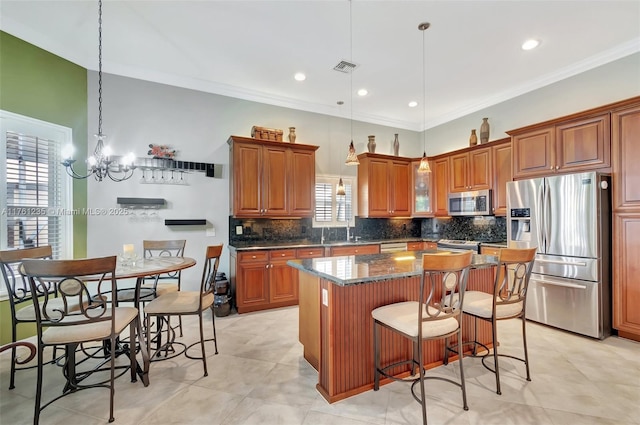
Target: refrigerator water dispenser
{"x":521,"y":224}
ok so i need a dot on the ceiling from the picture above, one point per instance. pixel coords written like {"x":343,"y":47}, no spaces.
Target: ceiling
{"x":251,"y":49}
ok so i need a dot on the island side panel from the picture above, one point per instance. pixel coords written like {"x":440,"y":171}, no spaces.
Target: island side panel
{"x":309,"y":317}
{"x":346,"y":333}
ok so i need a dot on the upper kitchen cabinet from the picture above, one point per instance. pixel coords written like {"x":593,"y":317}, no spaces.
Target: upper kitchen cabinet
{"x":440,"y":176}
{"x":572,"y":144}
{"x":625,"y":130}
{"x":502,"y":173}
{"x":470,"y":170}
{"x":271,"y":179}
{"x":422,"y":191}
{"x":384,"y":186}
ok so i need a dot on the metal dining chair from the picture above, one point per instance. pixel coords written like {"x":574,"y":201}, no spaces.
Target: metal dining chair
{"x":96,"y":319}
{"x":432,"y":316}
{"x":182,"y":303}
{"x":508,"y":301}
{"x":20,"y":295}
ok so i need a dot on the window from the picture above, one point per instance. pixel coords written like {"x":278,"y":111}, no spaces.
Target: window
{"x":333,"y":210}
{"x":36,"y":191}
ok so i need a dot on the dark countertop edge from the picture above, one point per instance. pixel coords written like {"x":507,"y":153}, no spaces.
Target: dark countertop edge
{"x":286,"y":245}
{"x":489,"y":261}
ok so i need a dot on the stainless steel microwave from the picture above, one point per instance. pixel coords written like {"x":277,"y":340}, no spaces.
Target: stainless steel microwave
{"x":477,"y":202}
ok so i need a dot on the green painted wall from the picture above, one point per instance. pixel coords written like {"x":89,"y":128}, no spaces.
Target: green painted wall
{"x":38,"y":84}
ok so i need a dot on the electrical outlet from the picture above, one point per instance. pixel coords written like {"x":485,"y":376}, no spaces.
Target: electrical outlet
{"x":238,"y":230}
{"x":211,"y":231}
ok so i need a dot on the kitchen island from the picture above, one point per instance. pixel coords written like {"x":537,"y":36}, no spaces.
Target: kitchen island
{"x":337,"y":295}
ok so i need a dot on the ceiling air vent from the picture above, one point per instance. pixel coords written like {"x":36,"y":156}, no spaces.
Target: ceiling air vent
{"x":344,"y":66}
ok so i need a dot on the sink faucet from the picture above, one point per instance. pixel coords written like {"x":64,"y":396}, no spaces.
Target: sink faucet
{"x":348,"y":236}
{"x":322,"y":235}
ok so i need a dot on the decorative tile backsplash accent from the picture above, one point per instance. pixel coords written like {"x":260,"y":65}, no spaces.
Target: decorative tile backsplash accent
{"x":483,"y":229}
{"x":269,"y":230}
{"x":387,"y":228}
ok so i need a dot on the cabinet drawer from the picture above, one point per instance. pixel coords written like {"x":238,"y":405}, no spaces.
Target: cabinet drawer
{"x":283,"y":254}
{"x":415,"y":246}
{"x":355,"y":250}
{"x":430,"y":245}
{"x":309,"y":252}
{"x":253,"y":256}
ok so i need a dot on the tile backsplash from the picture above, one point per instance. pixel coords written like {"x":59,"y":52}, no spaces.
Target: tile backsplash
{"x":260,"y":230}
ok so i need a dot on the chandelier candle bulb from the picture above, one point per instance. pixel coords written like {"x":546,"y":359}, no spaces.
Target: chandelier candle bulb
{"x":127,"y":249}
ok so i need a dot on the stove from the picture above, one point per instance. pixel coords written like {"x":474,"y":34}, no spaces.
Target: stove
{"x":459,"y":245}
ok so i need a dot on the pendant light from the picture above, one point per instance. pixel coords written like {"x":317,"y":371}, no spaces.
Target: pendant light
{"x":424,"y":162}
{"x":352,"y":158}
{"x":340,"y":187}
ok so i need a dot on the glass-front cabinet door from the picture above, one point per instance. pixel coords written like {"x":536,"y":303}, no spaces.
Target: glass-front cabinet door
{"x":422,"y":203}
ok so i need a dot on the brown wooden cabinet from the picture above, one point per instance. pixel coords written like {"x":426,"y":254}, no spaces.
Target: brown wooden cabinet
{"x":440,"y":173}
{"x":252,"y":280}
{"x":415,"y":246}
{"x":501,"y":164}
{"x":383,"y":186}
{"x":263,"y":279}
{"x":625,"y":126}
{"x":625,"y":131}
{"x":470,"y":170}
{"x":578,"y":144}
{"x":355,"y":250}
{"x":271,"y":179}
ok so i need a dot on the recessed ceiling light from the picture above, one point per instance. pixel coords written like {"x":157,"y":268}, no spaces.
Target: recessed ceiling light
{"x":300,"y":76}
{"x":363,"y":92}
{"x":413,"y":104}
{"x":530,"y":44}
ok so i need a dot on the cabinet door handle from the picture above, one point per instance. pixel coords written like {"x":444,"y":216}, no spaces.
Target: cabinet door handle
{"x":551,"y":168}
{"x":282,"y":255}
{"x":556,"y":167}
{"x":253,"y":256}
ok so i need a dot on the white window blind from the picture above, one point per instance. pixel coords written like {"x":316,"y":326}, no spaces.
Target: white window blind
{"x":34,"y":201}
{"x":36,"y":192}
{"x":331,"y":209}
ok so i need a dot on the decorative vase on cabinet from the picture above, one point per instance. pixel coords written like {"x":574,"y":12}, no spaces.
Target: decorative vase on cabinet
{"x":372,"y":144}
{"x":292,"y":134}
{"x":396,"y":145}
{"x":484,"y":131}
{"x":473,"y":139}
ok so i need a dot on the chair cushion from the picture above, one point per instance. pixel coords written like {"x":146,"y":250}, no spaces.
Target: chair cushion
{"x":163,"y":288}
{"x":28,"y":314}
{"x":404,"y":317}
{"x":178,"y":303}
{"x":481,"y":304}
{"x":90,"y":331}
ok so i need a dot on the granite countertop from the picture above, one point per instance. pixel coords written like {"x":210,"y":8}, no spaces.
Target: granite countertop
{"x":307,"y":243}
{"x":359,"y":269}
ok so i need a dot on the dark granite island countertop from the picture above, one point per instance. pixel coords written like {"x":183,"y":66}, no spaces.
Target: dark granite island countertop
{"x":354,"y":270}
{"x":336,"y":297}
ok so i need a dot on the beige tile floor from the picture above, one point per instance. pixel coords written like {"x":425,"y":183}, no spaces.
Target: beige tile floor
{"x":260,"y":378}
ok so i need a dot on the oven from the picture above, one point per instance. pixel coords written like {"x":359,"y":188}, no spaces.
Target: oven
{"x":459,"y":245}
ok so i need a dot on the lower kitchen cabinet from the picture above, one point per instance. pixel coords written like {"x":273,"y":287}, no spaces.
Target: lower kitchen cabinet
{"x":263,"y":279}
{"x":626,"y":269}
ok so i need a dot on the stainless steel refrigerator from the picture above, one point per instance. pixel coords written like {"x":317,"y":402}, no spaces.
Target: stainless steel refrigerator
{"x":568,"y":218}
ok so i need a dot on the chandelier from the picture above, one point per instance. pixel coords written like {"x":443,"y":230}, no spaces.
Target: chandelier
{"x":102,"y":164}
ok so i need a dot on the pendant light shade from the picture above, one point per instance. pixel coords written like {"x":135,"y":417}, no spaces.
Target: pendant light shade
{"x":424,"y":164}
{"x":340,"y":188}
{"x":352,"y":158}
